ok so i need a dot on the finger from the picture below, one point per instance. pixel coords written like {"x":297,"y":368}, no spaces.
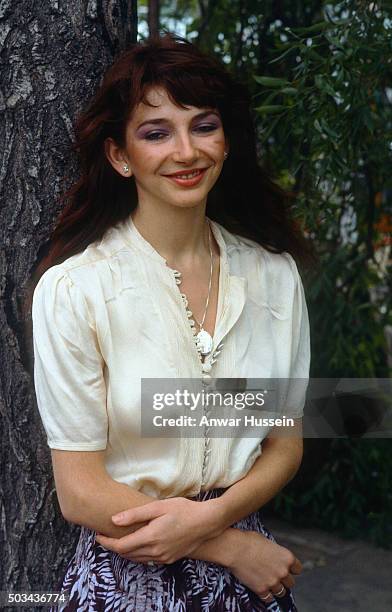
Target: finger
{"x":128,"y":543}
{"x":106,"y":542}
{"x":278,"y":590}
{"x":288,"y":582}
{"x":143,"y":551}
{"x":266,"y":596}
{"x":137,"y":514}
{"x":296,"y":567}
{"x":140,"y":555}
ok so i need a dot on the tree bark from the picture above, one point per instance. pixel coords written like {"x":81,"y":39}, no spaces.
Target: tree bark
{"x":153,"y":18}
{"x":54,"y":53}
{"x":206,"y":10}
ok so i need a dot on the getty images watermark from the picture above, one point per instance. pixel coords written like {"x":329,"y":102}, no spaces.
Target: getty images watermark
{"x":229,"y":407}
{"x":211,"y":399}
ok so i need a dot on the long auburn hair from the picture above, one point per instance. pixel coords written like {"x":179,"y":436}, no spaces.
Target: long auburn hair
{"x":244,"y":199}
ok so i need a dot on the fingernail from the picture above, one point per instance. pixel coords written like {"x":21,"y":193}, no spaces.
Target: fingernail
{"x":117,"y":517}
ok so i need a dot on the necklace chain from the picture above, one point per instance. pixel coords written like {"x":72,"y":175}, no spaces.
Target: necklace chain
{"x":210,"y":282}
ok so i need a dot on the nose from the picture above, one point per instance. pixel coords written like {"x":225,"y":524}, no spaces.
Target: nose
{"x":185,"y":149}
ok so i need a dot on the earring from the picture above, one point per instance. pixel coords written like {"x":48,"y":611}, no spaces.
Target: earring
{"x":225,"y":155}
{"x":126,"y":168}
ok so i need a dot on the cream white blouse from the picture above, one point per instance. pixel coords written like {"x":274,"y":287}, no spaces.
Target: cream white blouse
{"x":114,"y":314}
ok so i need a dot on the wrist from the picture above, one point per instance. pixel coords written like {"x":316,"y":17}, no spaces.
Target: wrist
{"x":221,"y":549}
{"x":218,"y":516}
{"x":232,"y":544}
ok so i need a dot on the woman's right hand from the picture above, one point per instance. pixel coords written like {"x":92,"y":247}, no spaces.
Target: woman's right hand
{"x":262,"y":565}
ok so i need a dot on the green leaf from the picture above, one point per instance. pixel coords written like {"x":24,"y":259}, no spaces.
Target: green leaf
{"x":320,"y":26}
{"x":328,"y":130}
{"x":270,"y":129}
{"x":270,"y":97}
{"x":269,"y":81}
{"x":289,"y":91}
{"x":324,"y":85}
{"x":317,"y":125}
{"x":282,"y":55}
{"x":271,"y":109}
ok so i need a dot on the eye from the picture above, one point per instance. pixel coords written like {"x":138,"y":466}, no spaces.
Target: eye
{"x":155,"y":135}
{"x":206,"y":127}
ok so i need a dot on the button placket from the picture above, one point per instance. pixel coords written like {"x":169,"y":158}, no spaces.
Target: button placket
{"x":206,"y":368}
{"x":206,"y":376}
{"x":178,"y":278}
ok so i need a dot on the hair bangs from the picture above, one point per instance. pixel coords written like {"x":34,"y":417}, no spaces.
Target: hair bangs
{"x":186,"y":83}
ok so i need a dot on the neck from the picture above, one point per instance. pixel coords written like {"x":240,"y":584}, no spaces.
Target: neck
{"x":180,"y":235}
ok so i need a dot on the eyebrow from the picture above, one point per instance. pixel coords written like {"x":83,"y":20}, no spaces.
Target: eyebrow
{"x":160,"y":120}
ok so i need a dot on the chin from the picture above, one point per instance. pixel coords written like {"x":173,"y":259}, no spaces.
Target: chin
{"x":187,"y":200}
{"x":189,"y":204}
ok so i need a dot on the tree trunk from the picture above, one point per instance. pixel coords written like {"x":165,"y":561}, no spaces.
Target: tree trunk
{"x":54,"y":54}
{"x":153,"y":18}
{"x":206,"y":9}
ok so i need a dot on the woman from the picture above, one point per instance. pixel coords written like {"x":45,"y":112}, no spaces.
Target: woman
{"x":173,"y":258}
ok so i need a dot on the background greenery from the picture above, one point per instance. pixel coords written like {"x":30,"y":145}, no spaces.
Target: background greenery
{"x":320,"y":76}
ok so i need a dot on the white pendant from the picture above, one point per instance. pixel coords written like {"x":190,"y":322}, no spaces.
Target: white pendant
{"x":205,"y":342}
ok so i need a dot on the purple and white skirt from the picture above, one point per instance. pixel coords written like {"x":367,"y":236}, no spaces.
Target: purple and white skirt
{"x":99,"y":580}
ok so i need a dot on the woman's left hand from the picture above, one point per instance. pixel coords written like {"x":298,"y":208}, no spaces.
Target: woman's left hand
{"x":177,"y":526}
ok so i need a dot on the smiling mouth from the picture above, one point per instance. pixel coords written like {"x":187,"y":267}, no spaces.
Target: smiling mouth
{"x":187,"y":175}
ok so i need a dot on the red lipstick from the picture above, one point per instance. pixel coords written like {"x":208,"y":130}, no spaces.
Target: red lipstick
{"x":187,"y":178}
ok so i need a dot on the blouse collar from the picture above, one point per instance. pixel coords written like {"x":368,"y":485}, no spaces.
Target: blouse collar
{"x":132,"y":234}
{"x":232,"y":288}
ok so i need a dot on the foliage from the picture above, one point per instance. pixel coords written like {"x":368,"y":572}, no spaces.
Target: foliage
{"x":326,"y":127}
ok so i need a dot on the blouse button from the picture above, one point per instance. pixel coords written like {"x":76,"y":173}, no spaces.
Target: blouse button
{"x":207,"y":382}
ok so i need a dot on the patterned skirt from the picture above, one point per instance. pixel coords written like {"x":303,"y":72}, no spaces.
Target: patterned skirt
{"x":99,"y":580}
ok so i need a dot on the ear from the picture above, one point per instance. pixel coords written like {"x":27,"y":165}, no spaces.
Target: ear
{"x":116,"y":157}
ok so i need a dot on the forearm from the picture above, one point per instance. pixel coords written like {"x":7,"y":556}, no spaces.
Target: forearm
{"x":94,"y":504}
{"x":100,"y":500}
{"x":99,"y":497}
{"x":272,"y":470}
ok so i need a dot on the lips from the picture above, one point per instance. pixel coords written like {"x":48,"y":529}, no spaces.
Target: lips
{"x":188,"y":178}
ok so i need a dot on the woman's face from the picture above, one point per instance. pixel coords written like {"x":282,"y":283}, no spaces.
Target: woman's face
{"x":166,"y":139}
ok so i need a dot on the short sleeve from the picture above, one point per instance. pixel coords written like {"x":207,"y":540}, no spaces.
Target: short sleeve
{"x":300,"y":349}
{"x":68,"y":366}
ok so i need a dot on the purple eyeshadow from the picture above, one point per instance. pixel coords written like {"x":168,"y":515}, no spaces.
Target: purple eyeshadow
{"x":146,"y":130}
